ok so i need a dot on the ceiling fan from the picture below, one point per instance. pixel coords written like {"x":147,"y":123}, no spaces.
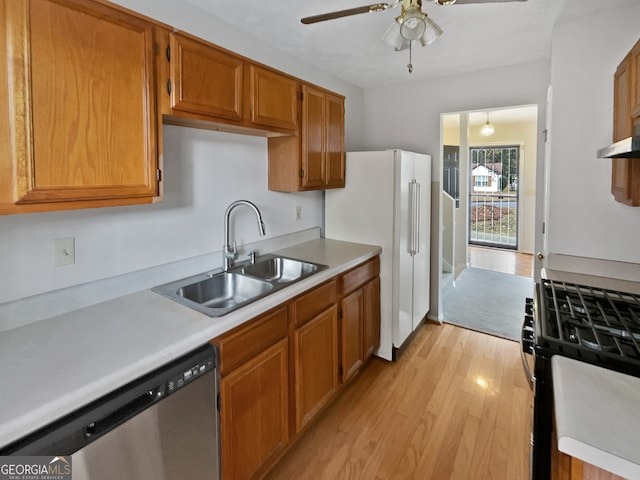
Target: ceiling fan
{"x":411,"y":24}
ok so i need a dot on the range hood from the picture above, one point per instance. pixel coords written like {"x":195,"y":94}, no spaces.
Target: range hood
{"x":627,"y":148}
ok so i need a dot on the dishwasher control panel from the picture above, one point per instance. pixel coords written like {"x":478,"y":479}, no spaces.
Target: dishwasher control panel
{"x":189,"y":374}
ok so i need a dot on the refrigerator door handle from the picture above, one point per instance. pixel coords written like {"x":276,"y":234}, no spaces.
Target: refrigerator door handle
{"x":411,"y":208}
{"x":416,"y":219}
{"x":413,"y":216}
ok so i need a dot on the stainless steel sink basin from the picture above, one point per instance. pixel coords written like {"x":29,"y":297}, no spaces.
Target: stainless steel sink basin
{"x":225,"y":290}
{"x":281,"y":269}
{"x":219,"y":293}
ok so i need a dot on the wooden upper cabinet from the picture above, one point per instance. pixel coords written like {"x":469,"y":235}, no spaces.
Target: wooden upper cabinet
{"x":625,"y":173}
{"x":314,"y":114}
{"x":205,"y":79}
{"x":211,"y":84}
{"x":634,"y":60}
{"x":273,"y":98}
{"x":335,"y":141}
{"x":314,"y":159}
{"x":622,"y":100}
{"x":80,"y":96}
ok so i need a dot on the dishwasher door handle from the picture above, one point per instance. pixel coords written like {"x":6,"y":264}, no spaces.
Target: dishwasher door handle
{"x":126,"y":411}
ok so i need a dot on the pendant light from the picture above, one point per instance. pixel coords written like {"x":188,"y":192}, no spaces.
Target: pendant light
{"x":487,"y":129}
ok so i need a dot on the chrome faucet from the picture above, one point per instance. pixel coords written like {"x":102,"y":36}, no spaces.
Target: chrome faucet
{"x":230,"y":251}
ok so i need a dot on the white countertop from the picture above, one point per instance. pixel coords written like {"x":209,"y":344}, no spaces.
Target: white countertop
{"x":52,"y":367}
{"x":596,"y":412}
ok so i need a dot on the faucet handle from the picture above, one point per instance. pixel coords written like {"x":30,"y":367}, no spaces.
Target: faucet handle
{"x":231,"y":251}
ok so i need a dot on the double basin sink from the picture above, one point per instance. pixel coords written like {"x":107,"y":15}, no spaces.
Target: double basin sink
{"x":218,"y":293}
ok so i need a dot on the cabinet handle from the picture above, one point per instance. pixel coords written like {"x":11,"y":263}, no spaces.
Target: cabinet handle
{"x":169,"y":87}
{"x":167,"y":52}
{"x":301,"y":173}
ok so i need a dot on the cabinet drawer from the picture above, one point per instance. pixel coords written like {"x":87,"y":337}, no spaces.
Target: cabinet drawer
{"x":360,"y":275}
{"x":309,"y":304}
{"x":246,"y":341}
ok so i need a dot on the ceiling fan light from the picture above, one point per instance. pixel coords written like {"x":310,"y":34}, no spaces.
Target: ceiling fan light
{"x":431,"y":33}
{"x":393,"y":37}
{"x":413,"y":23}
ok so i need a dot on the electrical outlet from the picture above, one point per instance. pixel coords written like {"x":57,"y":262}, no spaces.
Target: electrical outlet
{"x":297,"y":214}
{"x":64,"y":251}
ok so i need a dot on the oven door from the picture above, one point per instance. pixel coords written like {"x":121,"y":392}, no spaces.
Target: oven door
{"x":537,"y":369}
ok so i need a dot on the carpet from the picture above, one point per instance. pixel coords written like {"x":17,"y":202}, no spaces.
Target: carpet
{"x":489,"y":302}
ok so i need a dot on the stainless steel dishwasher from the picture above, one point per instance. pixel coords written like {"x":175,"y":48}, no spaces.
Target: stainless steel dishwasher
{"x":162,"y":426}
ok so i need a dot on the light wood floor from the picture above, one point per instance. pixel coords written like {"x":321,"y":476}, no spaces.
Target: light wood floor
{"x":501,"y":260}
{"x":456,"y":405}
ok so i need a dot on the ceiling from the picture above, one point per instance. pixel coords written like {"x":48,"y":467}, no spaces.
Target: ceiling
{"x":476,"y":37}
{"x":500,"y":116}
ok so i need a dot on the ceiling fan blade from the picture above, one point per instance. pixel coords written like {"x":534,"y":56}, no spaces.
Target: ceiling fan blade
{"x":468,"y":2}
{"x":376,"y":7}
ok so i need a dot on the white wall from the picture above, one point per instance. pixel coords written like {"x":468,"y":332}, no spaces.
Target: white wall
{"x":408,"y":116}
{"x":204,"y":172}
{"x":584,"y":219}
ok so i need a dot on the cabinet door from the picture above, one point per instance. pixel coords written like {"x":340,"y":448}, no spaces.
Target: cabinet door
{"x":205,"y":79}
{"x":351,"y":330}
{"x":313,"y":138}
{"x":624,"y":172}
{"x":316,"y":364}
{"x":371,"y":300}
{"x":274,"y":98}
{"x":635,"y":90}
{"x":335,"y":141}
{"x":82,"y":98}
{"x":254,"y":413}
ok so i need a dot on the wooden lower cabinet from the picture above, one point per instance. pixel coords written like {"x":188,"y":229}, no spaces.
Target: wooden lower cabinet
{"x":352,"y":328}
{"x":359,"y":317}
{"x":371,"y":292}
{"x":281,"y":369}
{"x":254,"y":413}
{"x":360,"y":327}
{"x":315,"y":365}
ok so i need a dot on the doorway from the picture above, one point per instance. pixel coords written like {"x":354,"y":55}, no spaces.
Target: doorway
{"x":488,"y":218}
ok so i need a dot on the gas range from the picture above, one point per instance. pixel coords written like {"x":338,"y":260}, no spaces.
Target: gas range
{"x":590,"y":324}
{"x":594,"y":325}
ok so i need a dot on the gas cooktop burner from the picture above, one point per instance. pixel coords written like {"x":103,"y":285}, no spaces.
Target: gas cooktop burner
{"x":594,"y":319}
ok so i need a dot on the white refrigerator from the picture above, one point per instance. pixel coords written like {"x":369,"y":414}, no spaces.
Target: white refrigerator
{"x":387,"y":202}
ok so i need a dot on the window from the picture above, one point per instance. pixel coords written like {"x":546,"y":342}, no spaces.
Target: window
{"x":482,"y":181}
